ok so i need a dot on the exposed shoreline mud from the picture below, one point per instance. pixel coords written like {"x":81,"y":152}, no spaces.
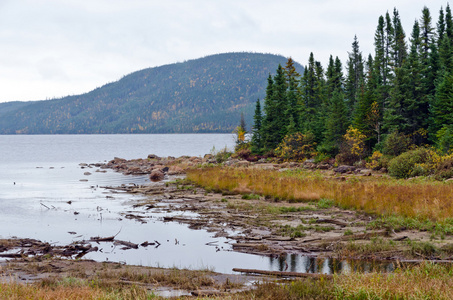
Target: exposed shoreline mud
{"x":256,"y":225}
{"x":265,"y":227}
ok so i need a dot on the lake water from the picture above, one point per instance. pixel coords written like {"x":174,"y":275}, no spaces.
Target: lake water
{"x":42,"y":197}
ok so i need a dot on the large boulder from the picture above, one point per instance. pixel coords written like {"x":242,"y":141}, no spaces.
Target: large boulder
{"x":153,"y":156}
{"x":344,"y":169}
{"x":175,"y":170}
{"x":156,"y":175}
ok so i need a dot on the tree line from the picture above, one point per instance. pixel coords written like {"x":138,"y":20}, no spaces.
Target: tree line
{"x":404,"y":92}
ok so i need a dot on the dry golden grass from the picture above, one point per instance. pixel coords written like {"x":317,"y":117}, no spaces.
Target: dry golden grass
{"x":18,"y":291}
{"x":382,"y":196}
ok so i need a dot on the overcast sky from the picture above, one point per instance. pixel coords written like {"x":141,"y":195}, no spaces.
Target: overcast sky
{"x":54,"y":48}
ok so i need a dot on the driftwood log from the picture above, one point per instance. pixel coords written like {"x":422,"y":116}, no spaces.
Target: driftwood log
{"x":284,"y":274}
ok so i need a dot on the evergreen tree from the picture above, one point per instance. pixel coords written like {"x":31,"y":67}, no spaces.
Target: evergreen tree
{"x":442,"y":108}
{"x":313,"y":93}
{"x":399,"y":46}
{"x":280,"y":100}
{"x":291,"y":128}
{"x":367,"y":114}
{"x":445,"y":55}
{"x":334,"y":76}
{"x":257,"y":131}
{"x":293,"y":94}
{"x":291,"y":72}
{"x":337,"y":123}
{"x":407,"y":111}
{"x":448,"y":22}
{"x":382,"y":58}
{"x":440,"y":26}
{"x":270,"y":117}
{"x":355,"y":74}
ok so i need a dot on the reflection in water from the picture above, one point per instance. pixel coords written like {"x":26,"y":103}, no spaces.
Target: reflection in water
{"x":309,"y":264}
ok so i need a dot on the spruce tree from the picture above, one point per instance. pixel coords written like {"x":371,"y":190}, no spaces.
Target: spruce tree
{"x":313,"y":93}
{"x":270,"y":116}
{"x":337,"y":122}
{"x":355,"y":74}
{"x":257,"y":131}
{"x":448,"y":22}
{"x":293,"y":93}
{"x":367,"y":115}
{"x":440,"y":26}
{"x":442,"y":108}
{"x":407,"y":110}
{"x":281,"y":102}
{"x":445,"y":55}
{"x":334,"y":76}
{"x":399,"y":46}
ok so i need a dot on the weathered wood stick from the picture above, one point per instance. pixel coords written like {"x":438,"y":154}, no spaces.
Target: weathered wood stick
{"x":284,"y":274}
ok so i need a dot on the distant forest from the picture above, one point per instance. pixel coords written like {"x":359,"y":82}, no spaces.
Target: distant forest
{"x":204,"y":95}
{"x":402,"y":94}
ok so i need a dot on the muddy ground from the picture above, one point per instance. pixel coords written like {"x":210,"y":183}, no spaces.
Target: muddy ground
{"x":257,"y":225}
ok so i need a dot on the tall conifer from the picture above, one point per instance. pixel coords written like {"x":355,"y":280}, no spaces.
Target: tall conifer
{"x":257,"y":130}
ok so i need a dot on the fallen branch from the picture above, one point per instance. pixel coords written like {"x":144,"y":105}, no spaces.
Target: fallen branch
{"x":331,"y":221}
{"x":45,"y":205}
{"x":12,"y":255}
{"x":362,"y":236}
{"x":102,"y":239}
{"x":284,"y":274}
{"x":245,"y":245}
{"x":128,"y":245}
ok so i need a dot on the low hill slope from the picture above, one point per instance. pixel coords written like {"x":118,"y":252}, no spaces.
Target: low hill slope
{"x":202,"y":95}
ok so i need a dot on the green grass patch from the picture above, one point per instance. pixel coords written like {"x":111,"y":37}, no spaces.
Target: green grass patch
{"x":324,"y":203}
{"x":251,"y":196}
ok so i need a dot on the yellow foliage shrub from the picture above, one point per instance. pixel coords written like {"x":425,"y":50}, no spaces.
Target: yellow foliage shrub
{"x":297,"y":147}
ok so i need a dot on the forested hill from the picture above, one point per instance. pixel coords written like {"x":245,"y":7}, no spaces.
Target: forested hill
{"x":202,"y":95}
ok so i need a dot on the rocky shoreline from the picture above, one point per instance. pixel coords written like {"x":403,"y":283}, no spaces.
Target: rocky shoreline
{"x":263,"y":232}
{"x":257,"y":226}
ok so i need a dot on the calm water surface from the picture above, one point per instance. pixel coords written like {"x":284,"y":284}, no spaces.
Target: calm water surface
{"x":42,"y":197}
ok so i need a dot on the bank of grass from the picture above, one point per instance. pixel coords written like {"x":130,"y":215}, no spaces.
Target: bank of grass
{"x":425,"y":281}
{"x":419,"y":200}
{"x":69,"y":288}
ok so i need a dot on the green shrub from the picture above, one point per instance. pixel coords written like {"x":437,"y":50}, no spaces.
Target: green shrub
{"x":444,"y":170}
{"x":445,"y":138}
{"x":222,"y":155}
{"x":395,"y":144}
{"x":420,"y":161}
